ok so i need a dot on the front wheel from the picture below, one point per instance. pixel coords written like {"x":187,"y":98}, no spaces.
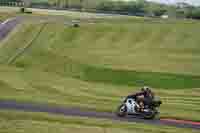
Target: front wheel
{"x":122,"y":110}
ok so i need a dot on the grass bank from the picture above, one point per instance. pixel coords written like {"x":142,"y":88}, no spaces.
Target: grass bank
{"x":95,"y":65}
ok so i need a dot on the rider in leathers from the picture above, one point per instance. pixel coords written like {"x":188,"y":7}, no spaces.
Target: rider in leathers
{"x":143,"y":98}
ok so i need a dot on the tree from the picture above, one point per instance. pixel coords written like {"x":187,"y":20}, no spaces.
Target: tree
{"x":52,"y":2}
{"x":195,"y":13}
{"x":27,"y":3}
{"x":106,"y":6}
{"x":159,"y":10}
{"x":59,"y":3}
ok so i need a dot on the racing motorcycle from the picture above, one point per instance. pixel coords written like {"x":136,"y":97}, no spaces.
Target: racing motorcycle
{"x":131,"y":107}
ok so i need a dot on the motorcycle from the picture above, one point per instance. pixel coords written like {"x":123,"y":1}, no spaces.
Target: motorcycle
{"x":131,"y":107}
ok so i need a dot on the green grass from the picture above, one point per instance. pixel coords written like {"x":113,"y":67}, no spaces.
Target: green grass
{"x":11,"y":10}
{"x":16,"y":122}
{"x":95,"y":65}
{"x":4,"y":16}
{"x":45,"y":87}
{"x":91,"y":58}
{"x":142,"y":47}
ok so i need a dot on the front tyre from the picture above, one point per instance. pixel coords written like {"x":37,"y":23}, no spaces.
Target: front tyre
{"x":122,"y":110}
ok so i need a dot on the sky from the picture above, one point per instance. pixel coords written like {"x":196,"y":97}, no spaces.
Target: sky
{"x":193,"y":2}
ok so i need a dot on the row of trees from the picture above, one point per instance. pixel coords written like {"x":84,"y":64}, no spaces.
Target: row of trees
{"x":15,"y":2}
{"x":188,"y":11}
{"x":138,"y":7}
{"x":142,"y":7}
{"x":81,"y":4}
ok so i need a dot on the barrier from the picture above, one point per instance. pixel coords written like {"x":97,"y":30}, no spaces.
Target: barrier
{"x":12,"y":4}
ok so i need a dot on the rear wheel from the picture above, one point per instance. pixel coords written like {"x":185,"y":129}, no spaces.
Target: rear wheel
{"x":122,"y":110}
{"x":150,"y":115}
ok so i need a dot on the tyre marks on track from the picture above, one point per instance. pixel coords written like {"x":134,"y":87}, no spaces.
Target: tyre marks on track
{"x":28,"y":45}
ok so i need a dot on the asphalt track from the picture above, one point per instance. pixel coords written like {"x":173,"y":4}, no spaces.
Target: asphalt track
{"x":31,"y":107}
{"x":5,"y":28}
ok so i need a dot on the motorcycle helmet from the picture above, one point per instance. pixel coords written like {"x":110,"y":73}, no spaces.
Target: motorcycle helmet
{"x":145,"y":88}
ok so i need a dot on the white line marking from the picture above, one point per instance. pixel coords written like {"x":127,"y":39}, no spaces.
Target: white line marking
{"x":8,"y":20}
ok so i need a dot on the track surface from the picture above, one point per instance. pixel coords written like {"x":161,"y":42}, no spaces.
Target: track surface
{"x":5,"y":28}
{"x":28,"y":107}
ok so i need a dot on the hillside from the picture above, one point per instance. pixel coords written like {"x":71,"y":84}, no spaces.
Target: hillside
{"x":95,"y":65}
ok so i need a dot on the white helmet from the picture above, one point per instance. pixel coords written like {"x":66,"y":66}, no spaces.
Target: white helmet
{"x":145,"y":88}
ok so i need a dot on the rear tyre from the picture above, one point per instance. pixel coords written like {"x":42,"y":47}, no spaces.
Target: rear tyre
{"x":149,"y":115}
{"x":122,"y":110}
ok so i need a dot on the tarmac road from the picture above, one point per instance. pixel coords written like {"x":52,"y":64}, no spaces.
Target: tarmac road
{"x":30,"y":107}
{"x":7,"y":26}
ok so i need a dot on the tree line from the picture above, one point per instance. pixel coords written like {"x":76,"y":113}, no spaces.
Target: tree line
{"x":139,"y":7}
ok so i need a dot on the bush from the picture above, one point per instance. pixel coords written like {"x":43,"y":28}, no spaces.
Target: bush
{"x":195,"y":14}
{"x":76,"y":25}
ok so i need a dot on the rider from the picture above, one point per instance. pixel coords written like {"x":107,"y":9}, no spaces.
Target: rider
{"x":148,"y":97}
{"x":143,"y":98}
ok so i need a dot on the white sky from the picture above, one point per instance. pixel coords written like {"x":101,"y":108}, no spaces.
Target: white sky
{"x":194,"y":2}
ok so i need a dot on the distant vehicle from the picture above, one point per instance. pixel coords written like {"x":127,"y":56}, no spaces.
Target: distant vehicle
{"x":131,"y":107}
